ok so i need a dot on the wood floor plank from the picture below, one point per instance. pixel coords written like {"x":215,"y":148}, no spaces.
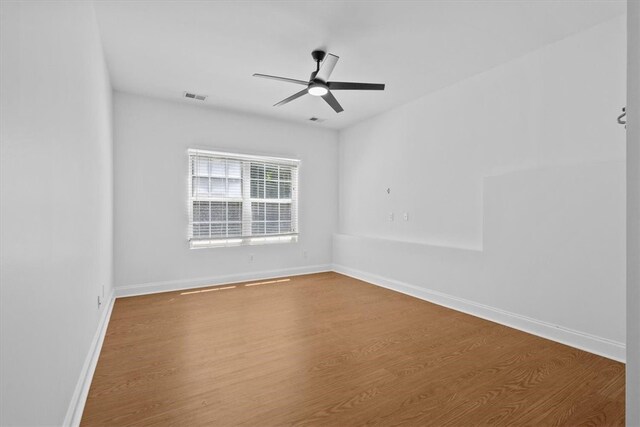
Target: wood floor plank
{"x":329,"y":350}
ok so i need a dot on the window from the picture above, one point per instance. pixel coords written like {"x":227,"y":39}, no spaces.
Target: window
{"x":236,"y":199}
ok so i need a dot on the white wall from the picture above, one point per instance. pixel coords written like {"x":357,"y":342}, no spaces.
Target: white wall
{"x":151,"y":142}
{"x":56,"y":207}
{"x":514,"y":185}
{"x":633,"y":214}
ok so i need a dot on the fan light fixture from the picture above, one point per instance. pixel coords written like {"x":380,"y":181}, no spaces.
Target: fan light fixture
{"x":317,"y":90}
{"x":319,"y":84}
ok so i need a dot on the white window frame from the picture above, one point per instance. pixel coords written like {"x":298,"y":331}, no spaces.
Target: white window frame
{"x":247,"y":237}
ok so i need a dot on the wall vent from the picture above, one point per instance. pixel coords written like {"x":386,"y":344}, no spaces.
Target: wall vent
{"x":195,"y":96}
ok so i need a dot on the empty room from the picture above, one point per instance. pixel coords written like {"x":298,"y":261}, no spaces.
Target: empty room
{"x":320,"y":213}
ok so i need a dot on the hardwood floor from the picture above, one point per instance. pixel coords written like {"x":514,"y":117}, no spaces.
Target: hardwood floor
{"x":326,"y":349}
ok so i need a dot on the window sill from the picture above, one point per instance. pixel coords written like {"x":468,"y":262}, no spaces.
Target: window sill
{"x":242,"y":241}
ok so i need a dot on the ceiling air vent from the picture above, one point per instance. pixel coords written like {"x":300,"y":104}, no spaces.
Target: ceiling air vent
{"x":316,"y":119}
{"x":195,"y":96}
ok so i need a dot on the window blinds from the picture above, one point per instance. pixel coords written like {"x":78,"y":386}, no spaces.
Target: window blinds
{"x":237,"y":199}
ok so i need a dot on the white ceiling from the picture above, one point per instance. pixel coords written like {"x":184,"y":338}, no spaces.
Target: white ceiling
{"x":162,"y":48}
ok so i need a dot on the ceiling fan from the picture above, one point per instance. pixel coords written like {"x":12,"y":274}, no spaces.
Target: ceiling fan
{"x":319,"y":84}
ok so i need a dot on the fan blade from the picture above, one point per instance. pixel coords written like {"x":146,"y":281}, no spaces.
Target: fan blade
{"x":282,"y":79}
{"x":291,"y":98}
{"x":355,"y":86}
{"x":333,"y":102}
{"x":327,"y":67}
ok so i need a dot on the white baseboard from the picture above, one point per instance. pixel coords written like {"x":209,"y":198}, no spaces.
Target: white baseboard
{"x":177,"y":285}
{"x":79,"y":398}
{"x":587,"y":342}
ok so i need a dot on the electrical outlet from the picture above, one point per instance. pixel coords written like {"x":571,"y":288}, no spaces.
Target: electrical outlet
{"x":305,"y":254}
{"x":406,"y":216}
{"x":391,"y":216}
{"x":99,"y":301}
{"x":250,"y":257}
